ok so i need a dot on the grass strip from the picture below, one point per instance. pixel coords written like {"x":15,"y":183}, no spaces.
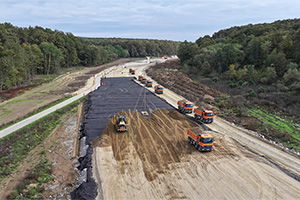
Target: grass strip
{"x":34,"y":112}
{"x":15,"y":147}
{"x":278,"y":123}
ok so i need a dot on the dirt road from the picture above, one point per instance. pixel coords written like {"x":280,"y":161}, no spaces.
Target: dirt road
{"x":153,"y":160}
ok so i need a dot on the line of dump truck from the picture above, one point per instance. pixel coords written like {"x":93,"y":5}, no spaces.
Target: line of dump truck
{"x":205,"y":116}
{"x":202,"y":140}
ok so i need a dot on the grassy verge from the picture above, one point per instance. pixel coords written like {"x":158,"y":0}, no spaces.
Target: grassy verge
{"x":17,"y":101}
{"x":32,"y":113}
{"x":16,"y":146}
{"x":281,"y":128}
{"x":32,"y":186}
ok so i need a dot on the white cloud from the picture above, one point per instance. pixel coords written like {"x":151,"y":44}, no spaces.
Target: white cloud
{"x":177,"y":19}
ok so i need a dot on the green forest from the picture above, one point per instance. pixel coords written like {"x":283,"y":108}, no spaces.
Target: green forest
{"x":267,"y":54}
{"x":257,"y":68}
{"x":26,"y":52}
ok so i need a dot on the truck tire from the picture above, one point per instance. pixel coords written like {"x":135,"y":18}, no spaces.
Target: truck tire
{"x":199,"y":148}
{"x":201,"y":119}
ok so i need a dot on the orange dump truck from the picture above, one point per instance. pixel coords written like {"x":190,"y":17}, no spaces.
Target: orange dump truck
{"x":206,"y":116}
{"x":185,"y":106}
{"x":131,"y":71}
{"x":202,"y":140}
{"x":149,"y":83}
{"x":144,"y":80}
{"x":140,"y":78}
{"x":159,"y":89}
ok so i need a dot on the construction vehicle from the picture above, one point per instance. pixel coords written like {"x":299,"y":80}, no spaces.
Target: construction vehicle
{"x":159,"y":89}
{"x":206,"y":116}
{"x":132,"y":71}
{"x":202,"y":140}
{"x":140,"y":78}
{"x":144,"y":80}
{"x":185,"y":106}
{"x":120,"y":122}
{"x":149,"y":83}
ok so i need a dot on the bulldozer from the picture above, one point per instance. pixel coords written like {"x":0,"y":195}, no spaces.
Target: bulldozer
{"x":121,"y":123}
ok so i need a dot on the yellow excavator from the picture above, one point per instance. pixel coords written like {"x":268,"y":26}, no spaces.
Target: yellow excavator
{"x":121,"y":123}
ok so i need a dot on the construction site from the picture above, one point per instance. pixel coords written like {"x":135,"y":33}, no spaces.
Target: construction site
{"x":138,"y":147}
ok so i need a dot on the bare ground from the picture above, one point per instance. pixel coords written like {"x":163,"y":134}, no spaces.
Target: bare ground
{"x":153,"y":160}
{"x":20,"y":106}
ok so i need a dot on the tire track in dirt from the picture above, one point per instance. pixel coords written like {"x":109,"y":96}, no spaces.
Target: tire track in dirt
{"x":155,"y":161}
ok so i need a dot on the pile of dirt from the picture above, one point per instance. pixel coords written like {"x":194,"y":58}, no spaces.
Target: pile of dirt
{"x":8,"y":94}
{"x":159,"y":141}
{"x":153,"y":160}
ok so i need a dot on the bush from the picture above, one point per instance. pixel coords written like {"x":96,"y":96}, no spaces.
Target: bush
{"x":261,"y":90}
{"x":215,"y":79}
{"x":252,"y":93}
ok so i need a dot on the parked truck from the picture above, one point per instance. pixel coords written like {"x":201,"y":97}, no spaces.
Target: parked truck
{"x":185,"y":106}
{"x":206,"y":116}
{"x":159,"y":89}
{"x":144,"y":80}
{"x":202,"y":140}
{"x":131,"y":71}
{"x":149,"y":83}
{"x":140,"y":78}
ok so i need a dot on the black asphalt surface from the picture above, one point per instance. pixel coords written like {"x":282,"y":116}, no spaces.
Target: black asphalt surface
{"x":117,"y":94}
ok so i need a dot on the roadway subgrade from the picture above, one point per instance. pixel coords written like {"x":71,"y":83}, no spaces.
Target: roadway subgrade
{"x":115,"y":95}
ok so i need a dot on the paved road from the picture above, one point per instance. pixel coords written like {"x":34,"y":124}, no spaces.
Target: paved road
{"x":44,"y":113}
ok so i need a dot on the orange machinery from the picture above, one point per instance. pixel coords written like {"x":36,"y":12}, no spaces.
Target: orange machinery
{"x":159,"y":89}
{"x":202,"y":140}
{"x":185,"y":106}
{"x":144,"y":80}
{"x":149,"y":83}
{"x":140,"y":78}
{"x":206,"y":116}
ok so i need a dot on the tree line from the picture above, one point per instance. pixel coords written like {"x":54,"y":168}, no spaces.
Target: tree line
{"x":138,"y":47}
{"x":266,"y":53}
{"x":26,"y":52}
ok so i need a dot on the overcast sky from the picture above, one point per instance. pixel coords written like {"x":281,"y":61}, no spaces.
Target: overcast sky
{"x":177,"y":20}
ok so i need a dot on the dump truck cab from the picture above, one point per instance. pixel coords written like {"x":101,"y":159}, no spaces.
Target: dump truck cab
{"x":185,"y":106}
{"x":149,"y":83}
{"x":202,"y":140}
{"x":159,"y":89}
{"x":206,"y":116}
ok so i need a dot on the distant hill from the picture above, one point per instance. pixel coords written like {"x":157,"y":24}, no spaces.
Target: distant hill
{"x":266,"y":53}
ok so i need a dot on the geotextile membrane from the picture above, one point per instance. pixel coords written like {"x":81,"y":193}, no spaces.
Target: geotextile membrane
{"x":115,"y":95}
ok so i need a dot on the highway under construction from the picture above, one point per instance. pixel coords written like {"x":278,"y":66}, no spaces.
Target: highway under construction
{"x":154,"y":160}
